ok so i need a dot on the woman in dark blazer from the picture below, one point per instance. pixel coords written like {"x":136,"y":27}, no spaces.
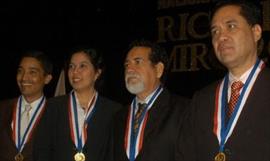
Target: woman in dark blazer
{"x":76,"y":126}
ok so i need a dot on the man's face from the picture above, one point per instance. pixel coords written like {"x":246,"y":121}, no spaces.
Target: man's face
{"x":141,"y":76}
{"x":31,"y":78}
{"x":233,"y":39}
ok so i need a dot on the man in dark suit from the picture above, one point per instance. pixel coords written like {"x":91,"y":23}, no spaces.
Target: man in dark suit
{"x":20,"y":116}
{"x":230,"y":118}
{"x":146,"y":130}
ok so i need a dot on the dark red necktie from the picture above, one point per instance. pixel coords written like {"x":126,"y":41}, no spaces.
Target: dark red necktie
{"x":235,"y":93}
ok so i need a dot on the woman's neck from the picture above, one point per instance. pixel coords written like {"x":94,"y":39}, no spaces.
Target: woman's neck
{"x":84,"y":97}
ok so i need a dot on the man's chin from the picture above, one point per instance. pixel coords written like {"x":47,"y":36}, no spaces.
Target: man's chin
{"x":134,"y":89}
{"x":26,"y":94}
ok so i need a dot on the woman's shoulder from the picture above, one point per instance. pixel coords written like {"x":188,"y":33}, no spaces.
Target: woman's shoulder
{"x":107,"y":102}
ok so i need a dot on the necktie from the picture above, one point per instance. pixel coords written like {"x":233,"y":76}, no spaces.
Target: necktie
{"x":141,"y":107}
{"x":25,"y":118}
{"x":235,"y":93}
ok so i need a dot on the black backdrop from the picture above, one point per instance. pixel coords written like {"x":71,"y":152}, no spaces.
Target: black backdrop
{"x":56,"y":26}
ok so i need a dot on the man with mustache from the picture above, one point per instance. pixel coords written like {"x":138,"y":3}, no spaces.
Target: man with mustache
{"x":229,"y":119}
{"x":20,"y":117}
{"x":147,"y":129}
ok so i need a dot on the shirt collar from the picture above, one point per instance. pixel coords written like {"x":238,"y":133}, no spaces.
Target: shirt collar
{"x":147,"y":99}
{"x":34,"y":104}
{"x":243,"y":78}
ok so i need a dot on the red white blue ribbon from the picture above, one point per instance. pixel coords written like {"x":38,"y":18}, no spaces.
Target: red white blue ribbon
{"x":79,"y":137}
{"x":134,"y":141}
{"x":222,"y":131}
{"x":16,"y":123}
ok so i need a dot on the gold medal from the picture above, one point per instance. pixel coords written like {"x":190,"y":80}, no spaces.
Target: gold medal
{"x":79,"y":156}
{"x":19,"y":157}
{"x":220,"y":157}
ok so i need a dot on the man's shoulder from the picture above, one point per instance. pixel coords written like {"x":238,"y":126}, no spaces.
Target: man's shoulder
{"x":7,"y":102}
{"x":6,"y":108}
{"x":58,"y":99}
{"x":172,"y":100}
{"x":265,"y":73}
{"x":210,"y":88}
{"x":107,"y":102}
{"x":171,"y":96}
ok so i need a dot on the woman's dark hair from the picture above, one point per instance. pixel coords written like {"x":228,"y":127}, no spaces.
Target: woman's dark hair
{"x":95,"y":58}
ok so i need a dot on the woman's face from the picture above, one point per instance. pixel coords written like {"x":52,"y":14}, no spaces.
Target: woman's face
{"x":81,"y":73}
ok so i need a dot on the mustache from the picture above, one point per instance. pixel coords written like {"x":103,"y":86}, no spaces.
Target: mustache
{"x":132,"y":75}
{"x":224,"y":46}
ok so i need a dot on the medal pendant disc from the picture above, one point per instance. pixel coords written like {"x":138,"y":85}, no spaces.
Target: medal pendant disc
{"x":79,"y":156}
{"x":220,"y":157}
{"x":19,"y":157}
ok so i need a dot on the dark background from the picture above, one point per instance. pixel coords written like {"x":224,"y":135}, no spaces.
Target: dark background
{"x":57,"y":26}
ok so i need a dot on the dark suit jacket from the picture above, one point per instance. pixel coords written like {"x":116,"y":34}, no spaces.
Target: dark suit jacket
{"x":8,"y":148}
{"x":250,"y":140}
{"x":55,"y":142}
{"x":160,"y":131}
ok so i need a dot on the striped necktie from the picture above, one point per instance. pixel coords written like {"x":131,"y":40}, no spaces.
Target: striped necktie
{"x":141,"y":107}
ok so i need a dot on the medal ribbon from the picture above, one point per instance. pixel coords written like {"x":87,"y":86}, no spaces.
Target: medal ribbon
{"x":133,"y":141}
{"x":16,"y":123}
{"x":79,"y":137}
{"x":222,"y":131}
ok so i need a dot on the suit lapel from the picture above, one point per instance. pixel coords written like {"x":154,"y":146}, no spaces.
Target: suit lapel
{"x":155,"y":114}
{"x":250,"y":106}
{"x":11,"y":105}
